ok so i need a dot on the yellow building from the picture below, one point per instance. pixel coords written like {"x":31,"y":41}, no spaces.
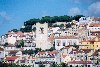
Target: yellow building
{"x":91,"y":44}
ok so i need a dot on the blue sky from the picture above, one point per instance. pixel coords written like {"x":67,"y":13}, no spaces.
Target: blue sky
{"x":13,"y":13}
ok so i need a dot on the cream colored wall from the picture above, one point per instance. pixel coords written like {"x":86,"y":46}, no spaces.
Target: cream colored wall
{"x":11,"y":40}
{"x":91,"y":46}
{"x":42,"y":38}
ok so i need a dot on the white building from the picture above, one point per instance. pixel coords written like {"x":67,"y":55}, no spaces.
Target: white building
{"x":14,"y":36}
{"x":62,"y":41}
{"x":2,"y":53}
{"x":85,"y":20}
{"x":47,"y":58}
{"x":30,"y":39}
{"x":3,"y":39}
{"x":52,"y":30}
{"x":94,"y":26}
{"x":10,"y":47}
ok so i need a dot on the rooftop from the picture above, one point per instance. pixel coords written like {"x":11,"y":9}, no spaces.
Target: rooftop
{"x":11,"y":58}
{"x":80,"y":62}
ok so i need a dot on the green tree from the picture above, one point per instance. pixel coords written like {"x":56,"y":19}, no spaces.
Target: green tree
{"x":50,"y":20}
{"x":63,"y":65}
{"x":54,"y":65}
{"x":22,"y":43}
{"x":61,"y":26}
{"x":41,"y":65}
{"x":46,"y":19}
{"x":76,"y":46}
{"x":15,"y":30}
{"x":37,"y":50}
{"x":51,"y":49}
{"x":34,"y":29}
{"x":77,"y":17}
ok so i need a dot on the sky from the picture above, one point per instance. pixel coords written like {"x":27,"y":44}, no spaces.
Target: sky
{"x":13,"y":13}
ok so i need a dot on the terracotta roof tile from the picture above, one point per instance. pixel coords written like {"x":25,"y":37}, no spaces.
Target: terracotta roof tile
{"x":1,"y":49}
{"x":95,"y":25}
{"x":53,"y":52}
{"x":41,"y":52}
{"x":96,"y":19}
{"x":12,"y":58}
{"x":90,"y":41}
{"x":13,"y":52}
{"x":66,"y":37}
{"x":80,"y":62}
{"x":51,"y":38}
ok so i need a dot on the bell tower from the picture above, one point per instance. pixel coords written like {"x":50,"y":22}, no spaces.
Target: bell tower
{"x":42,"y":36}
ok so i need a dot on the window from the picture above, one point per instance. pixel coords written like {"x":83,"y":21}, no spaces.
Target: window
{"x":42,"y":30}
{"x":63,"y":43}
{"x":58,"y":42}
{"x":91,"y":42}
{"x":68,"y":43}
{"x":88,"y":65}
{"x":96,"y":34}
{"x":87,"y":47}
{"x":74,"y":43}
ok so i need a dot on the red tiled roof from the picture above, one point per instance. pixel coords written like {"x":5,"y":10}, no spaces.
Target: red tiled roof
{"x":20,"y":33}
{"x":90,"y":41}
{"x":80,"y":62}
{"x":13,"y":52}
{"x":95,"y":25}
{"x":12,"y":58}
{"x":51,"y":38}
{"x":96,"y":19}
{"x":41,"y":52}
{"x":66,"y":37}
{"x":1,"y":49}
{"x":53,"y":52}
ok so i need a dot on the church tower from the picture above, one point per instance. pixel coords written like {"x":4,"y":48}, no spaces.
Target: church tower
{"x":42,"y":36}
